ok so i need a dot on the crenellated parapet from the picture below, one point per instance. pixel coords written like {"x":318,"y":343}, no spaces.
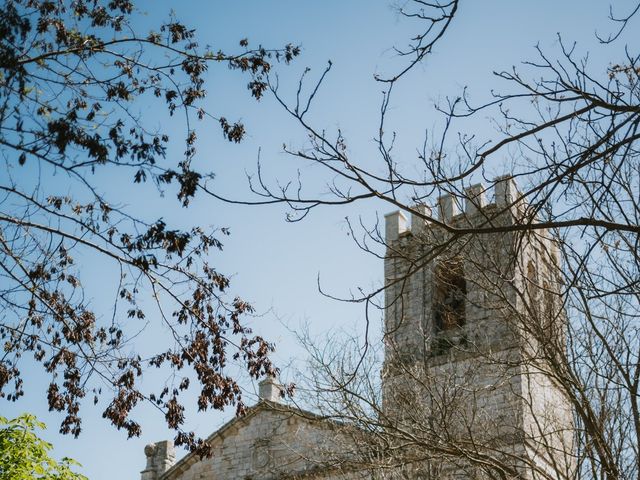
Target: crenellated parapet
{"x":471,"y":207}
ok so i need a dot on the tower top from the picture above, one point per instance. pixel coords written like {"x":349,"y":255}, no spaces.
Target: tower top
{"x":453,"y":208}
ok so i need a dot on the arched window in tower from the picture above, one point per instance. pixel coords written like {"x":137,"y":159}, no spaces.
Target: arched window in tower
{"x":450,"y":292}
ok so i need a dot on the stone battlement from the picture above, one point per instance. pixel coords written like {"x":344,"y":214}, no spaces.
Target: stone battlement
{"x":448,"y":209}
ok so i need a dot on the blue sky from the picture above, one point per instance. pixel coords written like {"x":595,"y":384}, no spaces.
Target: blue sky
{"x":275,"y":264}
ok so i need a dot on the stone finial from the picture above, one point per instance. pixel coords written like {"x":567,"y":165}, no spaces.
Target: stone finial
{"x":447,"y":207}
{"x":506,"y":191}
{"x":418,"y":223}
{"x":160,"y":457}
{"x":270,"y":390}
{"x":395,"y":223}
{"x":474,"y":199}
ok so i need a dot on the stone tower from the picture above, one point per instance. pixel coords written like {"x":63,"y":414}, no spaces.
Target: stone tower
{"x":474,"y":330}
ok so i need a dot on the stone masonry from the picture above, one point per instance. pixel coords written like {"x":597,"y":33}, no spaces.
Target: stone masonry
{"x":272,"y":441}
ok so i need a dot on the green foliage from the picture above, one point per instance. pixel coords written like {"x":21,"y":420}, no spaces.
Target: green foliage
{"x":23,"y":455}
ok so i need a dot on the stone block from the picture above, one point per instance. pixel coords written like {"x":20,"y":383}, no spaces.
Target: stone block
{"x":395,"y":225}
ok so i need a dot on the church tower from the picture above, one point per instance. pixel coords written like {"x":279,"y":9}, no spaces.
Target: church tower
{"x":475,"y":340}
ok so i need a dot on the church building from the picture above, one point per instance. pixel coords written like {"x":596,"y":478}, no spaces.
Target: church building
{"x":474,"y":340}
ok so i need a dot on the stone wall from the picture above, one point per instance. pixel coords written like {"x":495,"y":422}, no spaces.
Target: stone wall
{"x":271,"y":441}
{"x":269,"y":444}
